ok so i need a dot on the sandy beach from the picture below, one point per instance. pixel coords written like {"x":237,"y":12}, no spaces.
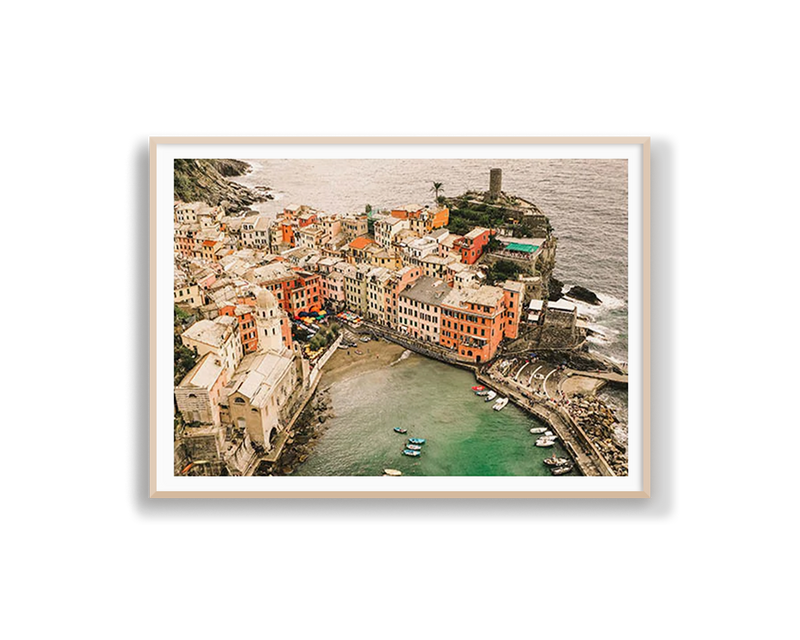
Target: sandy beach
{"x":347,"y":363}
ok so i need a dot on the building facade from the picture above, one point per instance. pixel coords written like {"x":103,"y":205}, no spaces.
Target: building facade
{"x":420,"y":309}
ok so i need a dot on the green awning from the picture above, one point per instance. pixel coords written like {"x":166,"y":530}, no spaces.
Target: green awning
{"x":524,"y":248}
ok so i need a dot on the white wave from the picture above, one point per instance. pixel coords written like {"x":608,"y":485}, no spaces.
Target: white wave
{"x":607,"y":303}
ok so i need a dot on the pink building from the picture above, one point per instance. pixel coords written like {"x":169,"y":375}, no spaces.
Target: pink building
{"x":419,"y":309}
{"x":401,"y":280}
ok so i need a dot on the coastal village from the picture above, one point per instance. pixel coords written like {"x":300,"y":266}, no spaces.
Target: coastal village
{"x":262,"y":303}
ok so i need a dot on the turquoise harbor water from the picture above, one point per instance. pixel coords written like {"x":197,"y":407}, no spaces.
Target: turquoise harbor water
{"x":586,"y":201}
{"x":465,"y":436}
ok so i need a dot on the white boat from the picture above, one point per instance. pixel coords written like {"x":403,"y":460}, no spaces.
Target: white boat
{"x":392,"y":472}
{"x":548,"y":433}
{"x":562,"y":469}
{"x":545,"y":442}
{"x":538,"y":430}
{"x":502,"y":402}
{"x":555,"y":461}
{"x":490,"y":396}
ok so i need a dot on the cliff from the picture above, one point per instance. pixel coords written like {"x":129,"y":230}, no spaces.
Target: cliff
{"x":207,"y":181}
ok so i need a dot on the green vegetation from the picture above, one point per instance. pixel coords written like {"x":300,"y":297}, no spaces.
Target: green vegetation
{"x":438,"y":189}
{"x":183,"y":358}
{"x":501,"y":271}
{"x":324,"y":337}
{"x":466,"y":215}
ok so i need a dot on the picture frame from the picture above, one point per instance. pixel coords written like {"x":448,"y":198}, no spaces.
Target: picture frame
{"x":164,"y":150}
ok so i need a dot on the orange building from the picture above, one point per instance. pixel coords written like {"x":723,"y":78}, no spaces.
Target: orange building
{"x":295,"y":290}
{"x":473,"y":322}
{"x":295,"y":218}
{"x":243,"y":312}
{"x":471,"y":245}
{"x":358,"y":249}
{"x":513,"y":293}
{"x":423,"y":219}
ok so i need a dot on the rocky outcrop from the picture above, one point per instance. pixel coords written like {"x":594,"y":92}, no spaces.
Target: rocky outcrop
{"x":554,"y":288}
{"x":584,"y":295}
{"x":207,"y":181}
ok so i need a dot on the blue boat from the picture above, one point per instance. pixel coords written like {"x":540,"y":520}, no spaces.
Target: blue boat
{"x":414,"y":447}
{"x":416,"y":440}
{"x":400,"y":430}
{"x":413,"y":454}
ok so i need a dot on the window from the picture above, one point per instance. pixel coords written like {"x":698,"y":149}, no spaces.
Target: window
{"x":239,"y":400}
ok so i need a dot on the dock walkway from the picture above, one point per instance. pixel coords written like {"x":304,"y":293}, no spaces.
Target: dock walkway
{"x":576,"y":442}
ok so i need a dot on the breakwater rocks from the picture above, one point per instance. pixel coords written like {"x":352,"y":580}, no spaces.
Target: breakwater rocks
{"x":598,"y":422}
{"x":302,"y":438}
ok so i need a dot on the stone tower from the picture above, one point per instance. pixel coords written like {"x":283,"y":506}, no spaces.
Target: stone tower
{"x":495,"y":183}
{"x":268,"y":321}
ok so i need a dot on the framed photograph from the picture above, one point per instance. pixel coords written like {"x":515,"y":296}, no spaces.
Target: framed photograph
{"x":399,"y":317}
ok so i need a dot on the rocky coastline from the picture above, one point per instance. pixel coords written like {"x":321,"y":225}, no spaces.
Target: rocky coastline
{"x":199,"y":180}
{"x":598,"y":421}
{"x":307,"y":430}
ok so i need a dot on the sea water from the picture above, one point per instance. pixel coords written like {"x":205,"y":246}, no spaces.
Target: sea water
{"x":432,"y":400}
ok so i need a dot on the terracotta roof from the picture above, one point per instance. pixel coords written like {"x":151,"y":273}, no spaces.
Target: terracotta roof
{"x":360,"y":243}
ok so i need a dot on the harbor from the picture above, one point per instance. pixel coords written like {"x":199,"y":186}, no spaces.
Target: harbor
{"x":431,"y":400}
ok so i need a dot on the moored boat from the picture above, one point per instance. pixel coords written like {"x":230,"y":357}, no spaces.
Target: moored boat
{"x":416,"y":440}
{"x":554,"y":461}
{"x":414,"y":447}
{"x":411,"y":453}
{"x":560,"y":471}
{"x":479,"y":387}
{"x":538,"y":430}
{"x":545,"y":442}
{"x":490,"y":396}
{"x":392,"y":472}
{"x":502,"y":402}
{"x":400,"y":430}
{"x":485,"y":392}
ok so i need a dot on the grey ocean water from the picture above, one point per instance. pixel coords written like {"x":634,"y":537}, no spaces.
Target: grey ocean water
{"x":586,"y":201}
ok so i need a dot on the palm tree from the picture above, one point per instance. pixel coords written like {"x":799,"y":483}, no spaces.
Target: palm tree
{"x":437,"y":188}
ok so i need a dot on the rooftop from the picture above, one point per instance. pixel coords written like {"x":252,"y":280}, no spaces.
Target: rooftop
{"x":361,"y":242}
{"x":514,"y":285}
{"x":204,"y":374}
{"x":485,"y":296}
{"x":211,"y":332}
{"x":427,"y":290}
{"x":477,"y":231}
{"x":272,"y":272}
{"x":258,"y":374}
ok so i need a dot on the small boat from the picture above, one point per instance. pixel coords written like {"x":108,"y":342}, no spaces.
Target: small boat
{"x":359,"y":352}
{"x":545,"y":442}
{"x":502,"y":402}
{"x":343,"y":346}
{"x":490,"y":396}
{"x":553,"y":461}
{"x":479,"y":387}
{"x":411,"y":453}
{"x":400,"y":430}
{"x":392,"y":472}
{"x":560,"y":471}
{"x":538,"y":430}
{"x":548,"y":433}
{"x":364,"y":338}
{"x":485,"y":392}
{"x":416,"y":440}
{"x":414,"y":447}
